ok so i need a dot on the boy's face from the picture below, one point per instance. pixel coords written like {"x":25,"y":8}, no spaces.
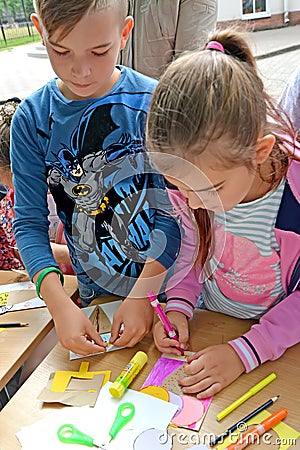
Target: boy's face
{"x":85,"y":59}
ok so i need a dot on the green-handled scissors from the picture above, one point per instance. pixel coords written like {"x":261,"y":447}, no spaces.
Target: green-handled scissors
{"x":69,"y":434}
{"x":125,"y":413}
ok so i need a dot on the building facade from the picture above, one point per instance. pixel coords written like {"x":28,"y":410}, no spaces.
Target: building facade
{"x":258,"y":14}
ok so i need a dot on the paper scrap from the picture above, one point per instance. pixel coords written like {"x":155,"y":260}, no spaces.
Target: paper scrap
{"x":96,"y":422}
{"x":62,"y":378}
{"x":79,"y":392}
{"x":166,"y":373}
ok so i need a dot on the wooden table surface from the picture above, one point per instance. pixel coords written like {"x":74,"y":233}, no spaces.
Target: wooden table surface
{"x":207,"y":328}
{"x":17,"y":344}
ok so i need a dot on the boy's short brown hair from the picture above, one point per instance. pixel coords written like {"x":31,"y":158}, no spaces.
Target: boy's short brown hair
{"x":66,"y":14}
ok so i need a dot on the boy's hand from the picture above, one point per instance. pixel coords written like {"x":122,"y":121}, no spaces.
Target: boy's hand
{"x":163,"y":342}
{"x":76,"y":332}
{"x":136,"y":315}
{"x":211,"y":370}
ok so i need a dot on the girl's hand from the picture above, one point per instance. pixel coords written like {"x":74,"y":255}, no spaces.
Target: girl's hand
{"x":76,"y":332}
{"x":163,"y":342}
{"x":136,"y":316}
{"x":211,"y":370}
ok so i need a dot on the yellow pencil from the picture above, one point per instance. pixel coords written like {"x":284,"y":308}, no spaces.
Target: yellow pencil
{"x":245,"y":397}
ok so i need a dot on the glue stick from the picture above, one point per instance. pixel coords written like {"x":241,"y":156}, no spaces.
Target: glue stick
{"x":127,"y":375}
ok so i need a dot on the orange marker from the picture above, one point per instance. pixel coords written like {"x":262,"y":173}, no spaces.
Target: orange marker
{"x":252,"y":435}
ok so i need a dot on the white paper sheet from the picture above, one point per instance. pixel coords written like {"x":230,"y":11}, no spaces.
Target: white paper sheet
{"x":150,"y":412}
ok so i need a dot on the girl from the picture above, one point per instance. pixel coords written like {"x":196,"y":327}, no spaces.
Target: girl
{"x":9,"y":258}
{"x":225,"y":144}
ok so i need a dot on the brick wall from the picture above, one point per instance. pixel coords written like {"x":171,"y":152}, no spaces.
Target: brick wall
{"x":275,"y":21}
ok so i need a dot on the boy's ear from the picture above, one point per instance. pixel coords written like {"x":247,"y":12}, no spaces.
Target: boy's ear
{"x":264,"y":147}
{"x":127,"y":27}
{"x":34,"y":18}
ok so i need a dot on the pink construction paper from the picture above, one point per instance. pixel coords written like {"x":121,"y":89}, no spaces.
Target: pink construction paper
{"x":191,"y":412}
{"x":162,"y":370}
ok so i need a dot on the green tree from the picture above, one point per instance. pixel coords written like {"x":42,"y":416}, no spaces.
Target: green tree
{"x":18,"y":8}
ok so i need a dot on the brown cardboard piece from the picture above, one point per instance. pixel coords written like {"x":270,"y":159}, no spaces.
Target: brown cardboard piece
{"x":79,"y":392}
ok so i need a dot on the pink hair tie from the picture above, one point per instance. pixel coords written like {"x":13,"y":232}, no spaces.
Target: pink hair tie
{"x":215,"y":45}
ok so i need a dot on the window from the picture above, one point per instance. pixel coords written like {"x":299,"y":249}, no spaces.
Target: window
{"x":254,"y":9}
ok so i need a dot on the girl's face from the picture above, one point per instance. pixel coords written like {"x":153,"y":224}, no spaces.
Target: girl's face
{"x":222,"y":191}
{"x":209,"y":185}
{"x":85,"y":59}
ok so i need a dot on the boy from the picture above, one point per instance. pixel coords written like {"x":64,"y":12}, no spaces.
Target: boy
{"x":81,"y":135}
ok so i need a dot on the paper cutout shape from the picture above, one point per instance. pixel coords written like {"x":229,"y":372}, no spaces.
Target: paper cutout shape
{"x":101,"y":316}
{"x":153,"y":439}
{"x":286,"y":434}
{"x":79,"y":392}
{"x":176,"y":400}
{"x":62,"y":378}
{"x":166,"y":373}
{"x":192,"y":411}
{"x":156,"y":391}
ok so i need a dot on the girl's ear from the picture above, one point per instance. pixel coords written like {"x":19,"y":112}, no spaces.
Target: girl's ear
{"x":264,"y":147}
{"x":128,"y":25}
{"x":34,"y":18}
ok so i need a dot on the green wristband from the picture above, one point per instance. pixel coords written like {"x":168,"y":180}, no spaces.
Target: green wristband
{"x":42,"y":275}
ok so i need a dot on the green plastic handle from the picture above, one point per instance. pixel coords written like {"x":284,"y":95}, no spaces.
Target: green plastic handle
{"x":125,"y":413}
{"x":68,"y":434}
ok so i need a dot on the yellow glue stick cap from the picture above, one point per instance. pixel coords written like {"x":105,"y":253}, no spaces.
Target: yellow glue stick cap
{"x":141,"y":358}
{"x":134,"y":366}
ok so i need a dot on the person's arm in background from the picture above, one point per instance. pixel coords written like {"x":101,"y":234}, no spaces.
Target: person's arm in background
{"x":61,"y":253}
{"x":290,"y":99}
{"x":195,"y":21}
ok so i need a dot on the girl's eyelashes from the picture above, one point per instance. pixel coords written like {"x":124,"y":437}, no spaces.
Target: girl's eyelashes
{"x":60,"y":53}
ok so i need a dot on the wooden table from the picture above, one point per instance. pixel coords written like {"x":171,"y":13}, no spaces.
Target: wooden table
{"x":207,"y":328}
{"x":17,"y":344}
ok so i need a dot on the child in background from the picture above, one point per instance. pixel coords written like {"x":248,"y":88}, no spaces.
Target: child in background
{"x":81,"y":135}
{"x":217,"y":135}
{"x":290,"y":99}
{"x":9,"y":256}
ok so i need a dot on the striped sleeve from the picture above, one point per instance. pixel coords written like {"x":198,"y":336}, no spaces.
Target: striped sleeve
{"x":276,"y":331}
{"x":246,"y":352}
{"x":180,"y":305}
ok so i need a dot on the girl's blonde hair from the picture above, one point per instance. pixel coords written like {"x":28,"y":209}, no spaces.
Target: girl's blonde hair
{"x":64,"y":15}
{"x":209,"y":95}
